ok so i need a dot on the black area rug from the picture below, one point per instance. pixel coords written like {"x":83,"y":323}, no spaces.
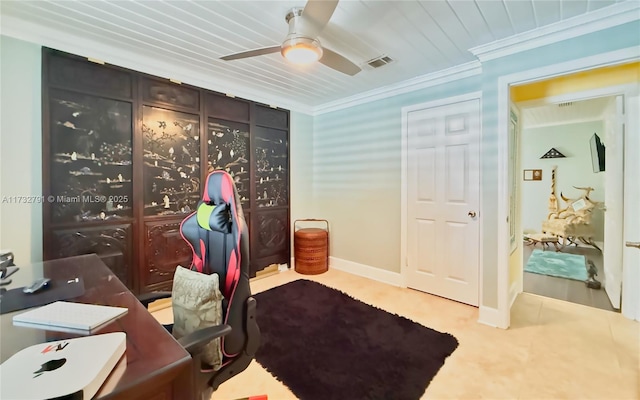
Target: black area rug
{"x":325,"y":345}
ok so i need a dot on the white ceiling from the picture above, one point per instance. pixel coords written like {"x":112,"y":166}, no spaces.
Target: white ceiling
{"x":565,"y":113}
{"x":423,"y":36}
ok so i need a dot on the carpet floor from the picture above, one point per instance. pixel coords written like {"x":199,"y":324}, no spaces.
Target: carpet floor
{"x":323,"y":344}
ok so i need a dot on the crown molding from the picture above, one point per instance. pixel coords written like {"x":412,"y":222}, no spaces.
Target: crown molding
{"x":56,"y":39}
{"x":598,"y":20}
{"x":410,"y":85}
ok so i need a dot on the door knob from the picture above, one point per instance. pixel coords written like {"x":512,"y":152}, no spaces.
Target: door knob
{"x":633,"y":244}
{"x":472,"y":214}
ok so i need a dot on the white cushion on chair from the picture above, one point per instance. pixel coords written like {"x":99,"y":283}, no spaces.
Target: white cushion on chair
{"x":197,"y":304}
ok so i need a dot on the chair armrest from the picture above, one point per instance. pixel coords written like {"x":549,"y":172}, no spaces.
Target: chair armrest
{"x":147,"y":298}
{"x":194,"y":341}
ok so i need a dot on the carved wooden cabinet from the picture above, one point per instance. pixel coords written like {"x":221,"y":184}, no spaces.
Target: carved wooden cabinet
{"x":270,"y":212}
{"x":112,"y":243}
{"x":124,"y":158}
{"x":164,"y":248}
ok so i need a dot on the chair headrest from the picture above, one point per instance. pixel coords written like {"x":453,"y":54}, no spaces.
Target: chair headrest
{"x":218,"y":188}
{"x":220,"y":205}
{"x":214,"y":217}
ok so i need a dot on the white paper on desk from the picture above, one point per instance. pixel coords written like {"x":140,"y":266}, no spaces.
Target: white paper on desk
{"x":69,"y":315}
{"x":61,"y":368}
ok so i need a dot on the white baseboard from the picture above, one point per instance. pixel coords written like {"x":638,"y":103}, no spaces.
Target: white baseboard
{"x":366,"y":271}
{"x":513,"y":293}
{"x":489,"y":316}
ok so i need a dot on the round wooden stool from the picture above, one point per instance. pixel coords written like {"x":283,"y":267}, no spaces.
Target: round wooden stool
{"x":311,"y":248}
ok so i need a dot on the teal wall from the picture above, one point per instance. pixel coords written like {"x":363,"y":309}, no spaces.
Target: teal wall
{"x":20,"y":148}
{"x":356,"y":180}
{"x":301,"y":162}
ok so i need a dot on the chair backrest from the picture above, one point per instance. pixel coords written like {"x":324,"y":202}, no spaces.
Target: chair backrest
{"x":218,"y":235}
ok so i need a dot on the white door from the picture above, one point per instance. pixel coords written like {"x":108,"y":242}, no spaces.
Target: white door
{"x":613,"y":200}
{"x":631,"y":255}
{"x":443,"y":190}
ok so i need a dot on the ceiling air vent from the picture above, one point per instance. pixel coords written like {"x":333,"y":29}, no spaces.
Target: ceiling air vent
{"x":380,"y":61}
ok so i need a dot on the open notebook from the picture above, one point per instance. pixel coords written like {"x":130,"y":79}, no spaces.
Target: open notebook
{"x":64,"y":315}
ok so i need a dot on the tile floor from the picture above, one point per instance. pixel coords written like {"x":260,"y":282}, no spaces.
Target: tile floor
{"x":553,"y":350}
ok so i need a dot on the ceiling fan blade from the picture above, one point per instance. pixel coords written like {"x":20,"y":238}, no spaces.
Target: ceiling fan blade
{"x":334,"y":60}
{"x":252,"y":53}
{"x":318,"y":13}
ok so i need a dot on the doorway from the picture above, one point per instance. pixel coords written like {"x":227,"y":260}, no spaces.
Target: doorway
{"x":562,"y":198}
{"x":621,"y":83}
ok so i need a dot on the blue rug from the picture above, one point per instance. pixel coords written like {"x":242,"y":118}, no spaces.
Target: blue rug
{"x":562,"y":265}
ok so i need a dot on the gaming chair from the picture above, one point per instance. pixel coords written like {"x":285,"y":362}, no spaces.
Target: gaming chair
{"x":218,"y":236}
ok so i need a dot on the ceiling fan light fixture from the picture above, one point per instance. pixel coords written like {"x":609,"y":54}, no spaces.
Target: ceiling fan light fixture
{"x":301,"y":50}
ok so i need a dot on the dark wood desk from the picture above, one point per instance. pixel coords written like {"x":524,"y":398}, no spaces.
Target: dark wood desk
{"x":156,"y":366}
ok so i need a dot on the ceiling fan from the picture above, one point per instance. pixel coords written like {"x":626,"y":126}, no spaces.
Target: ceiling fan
{"x":301,"y":45}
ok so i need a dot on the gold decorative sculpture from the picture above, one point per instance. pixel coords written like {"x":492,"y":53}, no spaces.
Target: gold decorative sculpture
{"x":573,"y":222}
{"x":553,"y":200}
{"x":587,"y":190}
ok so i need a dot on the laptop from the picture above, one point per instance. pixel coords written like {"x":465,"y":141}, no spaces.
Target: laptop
{"x":73,"y":368}
{"x":69,"y":316}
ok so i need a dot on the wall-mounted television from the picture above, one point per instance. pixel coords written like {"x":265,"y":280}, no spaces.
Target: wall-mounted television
{"x":597,"y":153}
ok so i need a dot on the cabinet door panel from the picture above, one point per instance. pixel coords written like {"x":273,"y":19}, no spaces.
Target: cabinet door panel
{"x":165,"y":249}
{"x":272,"y":117}
{"x":88,"y":77}
{"x":269,"y":238}
{"x":171,"y":174}
{"x":228,"y":149}
{"x":247,"y":218}
{"x":227,"y":108}
{"x":111,"y":243}
{"x":91,"y":163}
{"x":272,"y":167}
{"x":170,"y":94}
